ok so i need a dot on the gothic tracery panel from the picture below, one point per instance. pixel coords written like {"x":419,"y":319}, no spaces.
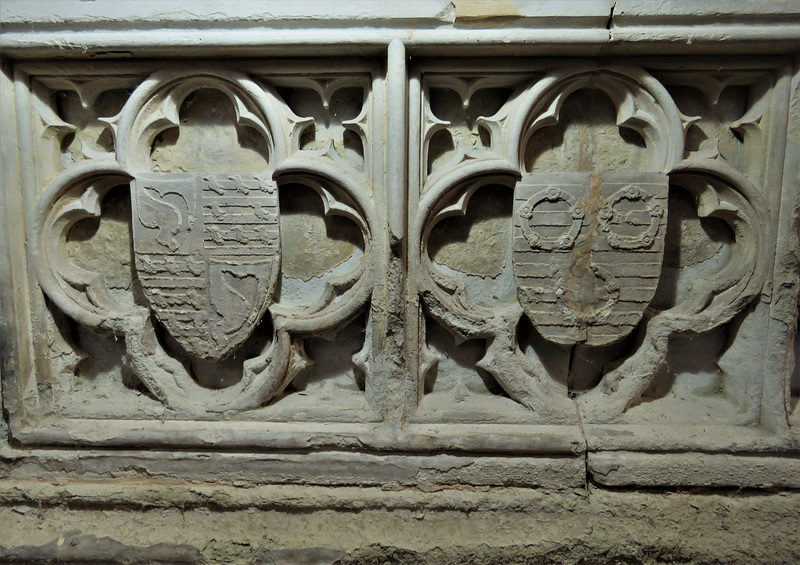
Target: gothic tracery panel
{"x":622,"y":250}
{"x":584,"y":257}
{"x":184,"y":293}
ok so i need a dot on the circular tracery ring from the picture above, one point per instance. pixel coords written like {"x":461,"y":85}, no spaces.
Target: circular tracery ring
{"x":536,"y":239}
{"x":608,"y":217}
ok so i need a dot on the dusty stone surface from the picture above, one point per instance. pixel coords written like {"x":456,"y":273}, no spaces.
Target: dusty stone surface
{"x":200,"y":309}
{"x":314,"y":244}
{"x":587,"y":138}
{"x":206,"y":139}
{"x":105,"y":245}
{"x":291,"y":525}
{"x":577,"y":229}
{"x":304,"y":288}
{"x":480,"y":243}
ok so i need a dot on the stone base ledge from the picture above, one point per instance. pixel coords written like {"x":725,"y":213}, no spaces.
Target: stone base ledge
{"x":160,"y":522}
{"x":703,"y":469}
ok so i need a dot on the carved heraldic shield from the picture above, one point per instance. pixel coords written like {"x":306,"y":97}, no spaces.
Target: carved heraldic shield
{"x":207,"y":253}
{"x":588,"y":249}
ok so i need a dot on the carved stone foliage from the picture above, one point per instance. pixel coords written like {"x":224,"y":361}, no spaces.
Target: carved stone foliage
{"x":622,"y":236}
{"x":203,"y":161}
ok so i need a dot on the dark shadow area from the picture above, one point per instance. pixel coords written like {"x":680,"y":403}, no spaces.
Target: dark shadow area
{"x":441,"y":144}
{"x":447,"y":105}
{"x":554,"y":357}
{"x":333,"y":359}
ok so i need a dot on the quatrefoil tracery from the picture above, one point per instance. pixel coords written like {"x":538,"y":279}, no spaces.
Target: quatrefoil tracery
{"x":642,"y":104}
{"x":720,"y":191}
{"x":222,"y":227}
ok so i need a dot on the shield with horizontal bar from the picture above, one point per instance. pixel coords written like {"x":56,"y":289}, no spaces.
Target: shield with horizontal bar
{"x":207,"y":253}
{"x":588,"y":249}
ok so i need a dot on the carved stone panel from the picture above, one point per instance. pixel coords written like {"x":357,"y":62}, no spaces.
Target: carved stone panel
{"x":538,"y":257}
{"x":171,"y":282}
{"x":585,"y":254}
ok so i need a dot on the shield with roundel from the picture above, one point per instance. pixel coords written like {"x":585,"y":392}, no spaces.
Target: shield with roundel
{"x":207,"y":254}
{"x":588,"y":249}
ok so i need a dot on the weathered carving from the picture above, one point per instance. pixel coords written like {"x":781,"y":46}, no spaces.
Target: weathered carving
{"x":461,"y":118}
{"x":329,"y":116}
{"x":588,"y":245}
{"x":571,"y":237}
{"x":207,"y":254}
{"x":207,"y":248}
{"x":588,"y":251}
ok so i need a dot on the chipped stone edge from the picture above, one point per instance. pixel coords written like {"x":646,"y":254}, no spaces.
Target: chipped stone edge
{"x":617,"y":469}
{"x":154,"y":494}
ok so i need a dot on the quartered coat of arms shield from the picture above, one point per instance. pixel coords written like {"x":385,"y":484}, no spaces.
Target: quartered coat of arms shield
{"x":588,"y":249}
{"x":207,"y":252}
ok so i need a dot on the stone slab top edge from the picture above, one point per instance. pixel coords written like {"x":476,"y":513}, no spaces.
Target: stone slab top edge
{"x":30,"y":16}
{"x":73,"y":28}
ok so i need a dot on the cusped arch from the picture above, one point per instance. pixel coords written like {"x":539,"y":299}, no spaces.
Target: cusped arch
{"x":346,"y":293}
{"x":642,"y":104}
{"x":155,"y":107}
